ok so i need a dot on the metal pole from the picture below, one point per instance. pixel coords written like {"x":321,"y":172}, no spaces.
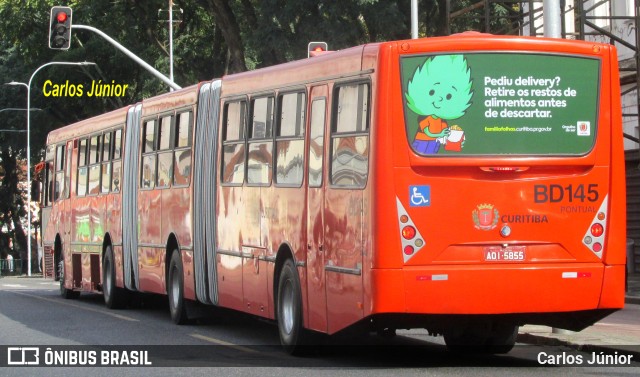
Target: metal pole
{"x":28,"y":86}
{"x":171,"y":40}
{"x":551,"y":17}
{"x":414,"y":19}
{"x":130,"y":54}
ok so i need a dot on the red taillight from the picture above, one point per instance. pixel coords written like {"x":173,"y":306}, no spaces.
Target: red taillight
{"x":597,"y":230}
{"x":597,"y":247}
{"x":408,"y":250}
{"x":408,"y":232}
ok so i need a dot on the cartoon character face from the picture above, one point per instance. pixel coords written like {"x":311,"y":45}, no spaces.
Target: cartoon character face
{"x":441,"y":87}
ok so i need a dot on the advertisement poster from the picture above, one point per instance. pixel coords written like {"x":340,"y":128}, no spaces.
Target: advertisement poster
{"x":500,"y":104}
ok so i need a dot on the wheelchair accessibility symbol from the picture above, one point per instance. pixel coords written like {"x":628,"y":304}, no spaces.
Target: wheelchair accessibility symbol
{"x":420,"y":196}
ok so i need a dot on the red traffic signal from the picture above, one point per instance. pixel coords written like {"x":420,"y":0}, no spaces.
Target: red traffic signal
{"x":60,"y":28}
{"x":316,"y":48}
{"x":62,"y":17}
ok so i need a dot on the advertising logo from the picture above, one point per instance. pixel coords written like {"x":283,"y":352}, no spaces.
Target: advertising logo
{"x":584,"y":128}
{"x":23,"y":356}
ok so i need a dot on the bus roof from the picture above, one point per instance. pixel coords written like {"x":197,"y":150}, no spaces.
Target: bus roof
{"x":171,"y":100}
{"x":176,"y":99}
{"x":336,"y":64}
{"x":88,"y":126}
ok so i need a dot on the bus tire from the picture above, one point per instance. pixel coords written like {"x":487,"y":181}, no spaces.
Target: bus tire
{"x":497,"y":339}
{"x":503,"y":338}
{"x":114,"y":297}
{"x":65,"y":292}
{"x":175,"y":290}
{"x":289,"y":309}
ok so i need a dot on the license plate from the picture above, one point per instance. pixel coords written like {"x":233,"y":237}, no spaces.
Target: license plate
{"x":505,"y":254}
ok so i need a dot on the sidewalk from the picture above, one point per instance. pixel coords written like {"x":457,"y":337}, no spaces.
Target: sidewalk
{"x":618,"y":332}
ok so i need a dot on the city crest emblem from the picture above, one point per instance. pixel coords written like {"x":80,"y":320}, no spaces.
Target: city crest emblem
{"x":485,"y":216}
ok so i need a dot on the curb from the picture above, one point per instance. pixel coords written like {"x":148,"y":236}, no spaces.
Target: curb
{"x":634,"y":300}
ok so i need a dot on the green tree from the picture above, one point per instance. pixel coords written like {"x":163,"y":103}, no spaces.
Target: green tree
{"x":211,"y":39}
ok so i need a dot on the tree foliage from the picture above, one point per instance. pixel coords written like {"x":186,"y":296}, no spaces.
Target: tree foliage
{"x":211,"y":39}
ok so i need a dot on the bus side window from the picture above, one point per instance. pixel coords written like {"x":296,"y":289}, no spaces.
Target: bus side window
{"x":233,"y":154}
{"x":59,"y":189}
{"x":117,"y":161}
{"x":290,"y":139}
{"x":350,"y":136}
{"x":260,"y":145}
{"x":316,"y":140}
{"x":182,"y":151}
{"x":105,"y":180}
{"x":82,"y":168}
{"x":94,"y":165}
{"x":165,"y":155}
{"x":67,"y":171}
{"x":47,"y":181}
{"x":148,"y":172}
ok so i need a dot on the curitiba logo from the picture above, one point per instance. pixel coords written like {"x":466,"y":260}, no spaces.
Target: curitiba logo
{"x":485,"y":216}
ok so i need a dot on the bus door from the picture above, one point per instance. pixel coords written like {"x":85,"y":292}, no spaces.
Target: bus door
{"x":344,"y":212}
{"x":317,"y":301}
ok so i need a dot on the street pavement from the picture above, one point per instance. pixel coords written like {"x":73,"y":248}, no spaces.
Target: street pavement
{"x":619,"y":331}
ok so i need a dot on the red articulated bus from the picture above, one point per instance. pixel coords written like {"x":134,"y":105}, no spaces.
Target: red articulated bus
{"x":467,"y":184}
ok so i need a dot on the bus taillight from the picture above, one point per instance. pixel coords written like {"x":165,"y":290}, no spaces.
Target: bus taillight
{"x":597,"y":247}
{"x":594,"y":237}
{"x":408,"y":232}
{"x":408,"y":250}
{"x":597,"y":230}
{"x":410,"y":238}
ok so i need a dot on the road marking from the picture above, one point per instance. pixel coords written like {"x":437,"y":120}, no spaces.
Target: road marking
{"x":14,"y":285}
{"x":57,"y":301}
{"x":222,"y":343}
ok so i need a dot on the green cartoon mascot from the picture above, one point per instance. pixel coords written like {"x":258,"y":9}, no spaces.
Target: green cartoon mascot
{"x":440,"y":90}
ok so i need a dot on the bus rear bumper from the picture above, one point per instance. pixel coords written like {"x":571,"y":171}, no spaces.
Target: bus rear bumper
{"x":498,"y":289}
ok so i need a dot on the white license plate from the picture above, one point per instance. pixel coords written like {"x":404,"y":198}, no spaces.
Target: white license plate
{"x":505,"y":254}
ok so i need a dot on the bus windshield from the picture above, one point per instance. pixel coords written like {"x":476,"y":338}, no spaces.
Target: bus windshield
{"x":482,"y":104}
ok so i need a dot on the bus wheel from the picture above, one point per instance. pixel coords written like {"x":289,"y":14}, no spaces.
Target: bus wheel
{"x":56,"y":268}
{"x":175,"y":290}
{"x":289,"y":309}
{"x":114,"y":297}
{"x":503,"y":338}
{"x":498,"y":339}
{"x":64,"y":292}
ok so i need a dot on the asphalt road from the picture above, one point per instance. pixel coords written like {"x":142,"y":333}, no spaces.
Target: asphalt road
{"x":227,"y":343}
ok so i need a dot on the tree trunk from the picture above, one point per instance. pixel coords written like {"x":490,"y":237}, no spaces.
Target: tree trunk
{"x":226,"y":21}
{"x":12,"y":205}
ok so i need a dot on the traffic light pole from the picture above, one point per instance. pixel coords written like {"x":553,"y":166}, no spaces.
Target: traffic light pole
{"x":130,"y":54}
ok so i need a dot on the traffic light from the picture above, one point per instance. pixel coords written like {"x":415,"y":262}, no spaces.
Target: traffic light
{"x":316,"y":48}
{"x":60,"y":28}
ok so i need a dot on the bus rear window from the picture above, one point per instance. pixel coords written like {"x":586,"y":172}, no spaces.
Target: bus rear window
{"x":479,"y":104}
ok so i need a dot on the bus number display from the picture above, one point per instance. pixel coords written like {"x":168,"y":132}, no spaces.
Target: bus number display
{"x":504,"y":254}
{"x":570,"y":193}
